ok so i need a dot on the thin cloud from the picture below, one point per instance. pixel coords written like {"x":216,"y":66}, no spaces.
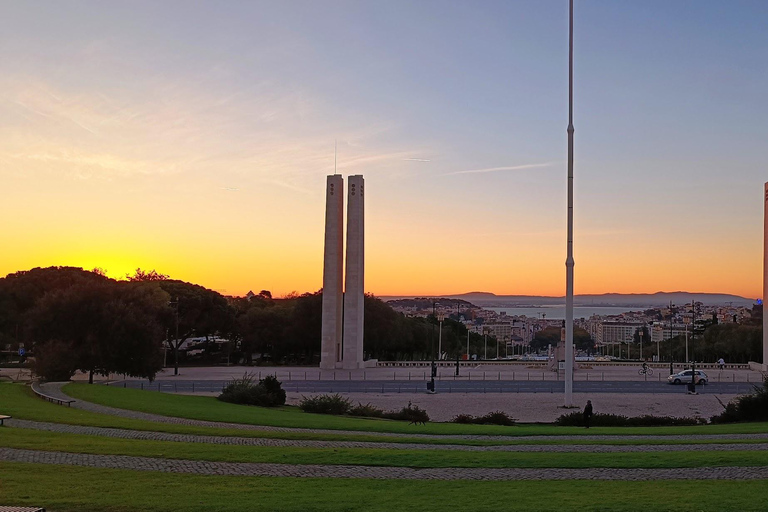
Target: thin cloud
{"x":500,"y":169}
{"x":416,"y":160}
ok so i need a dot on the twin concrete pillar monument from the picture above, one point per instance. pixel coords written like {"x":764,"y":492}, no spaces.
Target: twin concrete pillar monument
{"x":342,"y":329}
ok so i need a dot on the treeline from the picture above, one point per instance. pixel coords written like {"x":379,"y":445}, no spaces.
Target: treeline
{"x":76,"y":320}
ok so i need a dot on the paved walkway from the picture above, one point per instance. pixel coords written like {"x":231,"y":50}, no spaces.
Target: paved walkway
{"x":340,"y":471}
{"x":251,"y":441}
{"x":54,"y":389}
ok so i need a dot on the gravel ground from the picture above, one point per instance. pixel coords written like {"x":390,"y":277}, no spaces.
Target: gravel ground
{"x":341,"y":471}
{"x":542,"y":407}
{"x":251,"y":441}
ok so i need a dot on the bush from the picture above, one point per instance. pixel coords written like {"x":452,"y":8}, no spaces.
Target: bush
{"x":410,"y":413}
{"x":326,"y":404}
{"x":267,"y":393}
{"x":367,"y":410}
{"x":752,"y":407}
{"x":337,"y":404}
{"x":576,"y":419}
{"x":492,"y":418}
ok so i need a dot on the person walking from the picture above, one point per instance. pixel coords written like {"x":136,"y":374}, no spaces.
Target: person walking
{"x":587,"y":413}
{"x":721,"y":363}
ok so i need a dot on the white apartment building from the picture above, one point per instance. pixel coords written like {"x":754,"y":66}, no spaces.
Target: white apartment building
{"x":661,"y":331}
{"x":617,"y":332}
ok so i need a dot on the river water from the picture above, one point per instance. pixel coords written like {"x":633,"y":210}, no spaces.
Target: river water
{"x":558,"y":312}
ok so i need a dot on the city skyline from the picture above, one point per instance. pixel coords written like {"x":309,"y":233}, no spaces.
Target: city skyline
{"x":195,"y":140}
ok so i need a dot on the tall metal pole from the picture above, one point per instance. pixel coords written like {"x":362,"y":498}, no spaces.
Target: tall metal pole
{"x":569,"y":259}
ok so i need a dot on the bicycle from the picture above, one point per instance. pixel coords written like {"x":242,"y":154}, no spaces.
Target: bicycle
{"x":645,"y":371}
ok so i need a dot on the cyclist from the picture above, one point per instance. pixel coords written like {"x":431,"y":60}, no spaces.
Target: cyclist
{"x":645,"y":367}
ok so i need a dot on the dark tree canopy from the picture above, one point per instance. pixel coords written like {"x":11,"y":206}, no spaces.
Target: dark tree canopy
{"x":99,"y":328}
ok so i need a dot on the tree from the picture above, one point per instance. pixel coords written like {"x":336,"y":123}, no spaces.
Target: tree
{"x":196,"y":310}
{"x":99,"y":328}
{"x":551,"y":336}
{"x":152,"y":275}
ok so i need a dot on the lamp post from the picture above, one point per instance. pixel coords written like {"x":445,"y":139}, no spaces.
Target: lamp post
{"x":467,"y":343}
{"x":432,"y":332}
{"x":440,"y":319}
{"x":641,"y":344}
{"x":569,"y":262}
{"x":485,"y":344}
{"x":176,"y":342}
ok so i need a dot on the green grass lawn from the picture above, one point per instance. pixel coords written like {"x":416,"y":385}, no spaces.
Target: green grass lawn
{"x":20,"y":402}
{"x":208,"y":408}
{"x":76,"y":489}
{"x":75,"y":443}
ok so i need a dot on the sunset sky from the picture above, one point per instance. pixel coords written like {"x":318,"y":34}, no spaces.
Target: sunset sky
{"x":194,"y":138}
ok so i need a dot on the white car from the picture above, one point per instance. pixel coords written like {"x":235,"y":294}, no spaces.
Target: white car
{"x":684,"y":377}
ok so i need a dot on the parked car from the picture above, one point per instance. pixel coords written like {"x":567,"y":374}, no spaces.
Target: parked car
{"x":684,"y":377}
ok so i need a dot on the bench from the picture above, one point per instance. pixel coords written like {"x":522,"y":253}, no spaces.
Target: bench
{"x":53,"y":399}
{"x":3,"y":418}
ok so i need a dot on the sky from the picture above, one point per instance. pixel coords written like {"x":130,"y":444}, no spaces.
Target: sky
{"x":195,"y":138}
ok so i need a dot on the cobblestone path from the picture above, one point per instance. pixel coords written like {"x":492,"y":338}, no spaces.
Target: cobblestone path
{"x":322,"y":471}
{"x":54,"y":389}
{"x":250,"y":441}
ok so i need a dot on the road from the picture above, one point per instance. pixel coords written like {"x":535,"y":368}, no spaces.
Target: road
{"x":445,"y":386}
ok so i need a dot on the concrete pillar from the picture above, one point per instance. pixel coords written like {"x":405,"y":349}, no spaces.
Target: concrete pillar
{"x":765,"y":276}
{"x":354,"y":290}
{"x":333,"y":273}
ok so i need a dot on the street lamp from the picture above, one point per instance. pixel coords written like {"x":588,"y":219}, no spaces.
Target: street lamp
{"x":485,"y":344}
{"x":440,"y":319}
{"x":641,"y":344}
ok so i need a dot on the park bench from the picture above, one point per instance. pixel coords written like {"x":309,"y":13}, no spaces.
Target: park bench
{"x":53,"y":399}
{"x":3,"y":418}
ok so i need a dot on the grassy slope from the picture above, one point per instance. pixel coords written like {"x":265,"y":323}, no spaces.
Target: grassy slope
{"x":73,"y":489}
{"x":18,"y":401}
{"x":49,"y":441}
{"x":208,"y":408}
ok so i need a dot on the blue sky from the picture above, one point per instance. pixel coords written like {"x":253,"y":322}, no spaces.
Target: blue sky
{"x":124,"y":108}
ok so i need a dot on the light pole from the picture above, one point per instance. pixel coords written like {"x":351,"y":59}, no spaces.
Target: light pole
{"x":440,"y":319}
{"x":485,"y":344}
{"x":569,"y":257}
{"x":641,"y":344}
{"x":467,"y":343}
{"x":176,"y":342}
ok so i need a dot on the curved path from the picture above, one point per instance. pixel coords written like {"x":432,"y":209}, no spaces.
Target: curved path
{"x":54,"y":389}
{"x":398,"y":473}
{"x":251,"y":441}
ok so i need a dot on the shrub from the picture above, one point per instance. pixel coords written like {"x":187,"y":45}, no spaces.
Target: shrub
{"x":337,"y":404}
{"x":752,"y":407}
{"x":576,"y":419}
{"x":326,"y":404}
{"x":492,"y":418}
{"x":367,"y":410}
{"x":466,"y":419}
{"x":268,"y":392}
{"x":411,"y":413}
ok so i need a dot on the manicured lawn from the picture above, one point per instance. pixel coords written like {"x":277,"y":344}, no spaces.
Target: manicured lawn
{"x":76,"y":489}
{"x":208,"y":408}
{"x":20,"y":402}
{"x":50,"y":441}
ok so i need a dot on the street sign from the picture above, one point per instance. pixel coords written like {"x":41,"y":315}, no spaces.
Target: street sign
{"x":22,"y":352}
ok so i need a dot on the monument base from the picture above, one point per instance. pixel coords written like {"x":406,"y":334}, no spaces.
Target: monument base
{"x":758,"y":367}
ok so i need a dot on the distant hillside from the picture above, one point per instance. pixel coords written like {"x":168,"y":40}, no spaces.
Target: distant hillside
{"x":487,"y":299}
